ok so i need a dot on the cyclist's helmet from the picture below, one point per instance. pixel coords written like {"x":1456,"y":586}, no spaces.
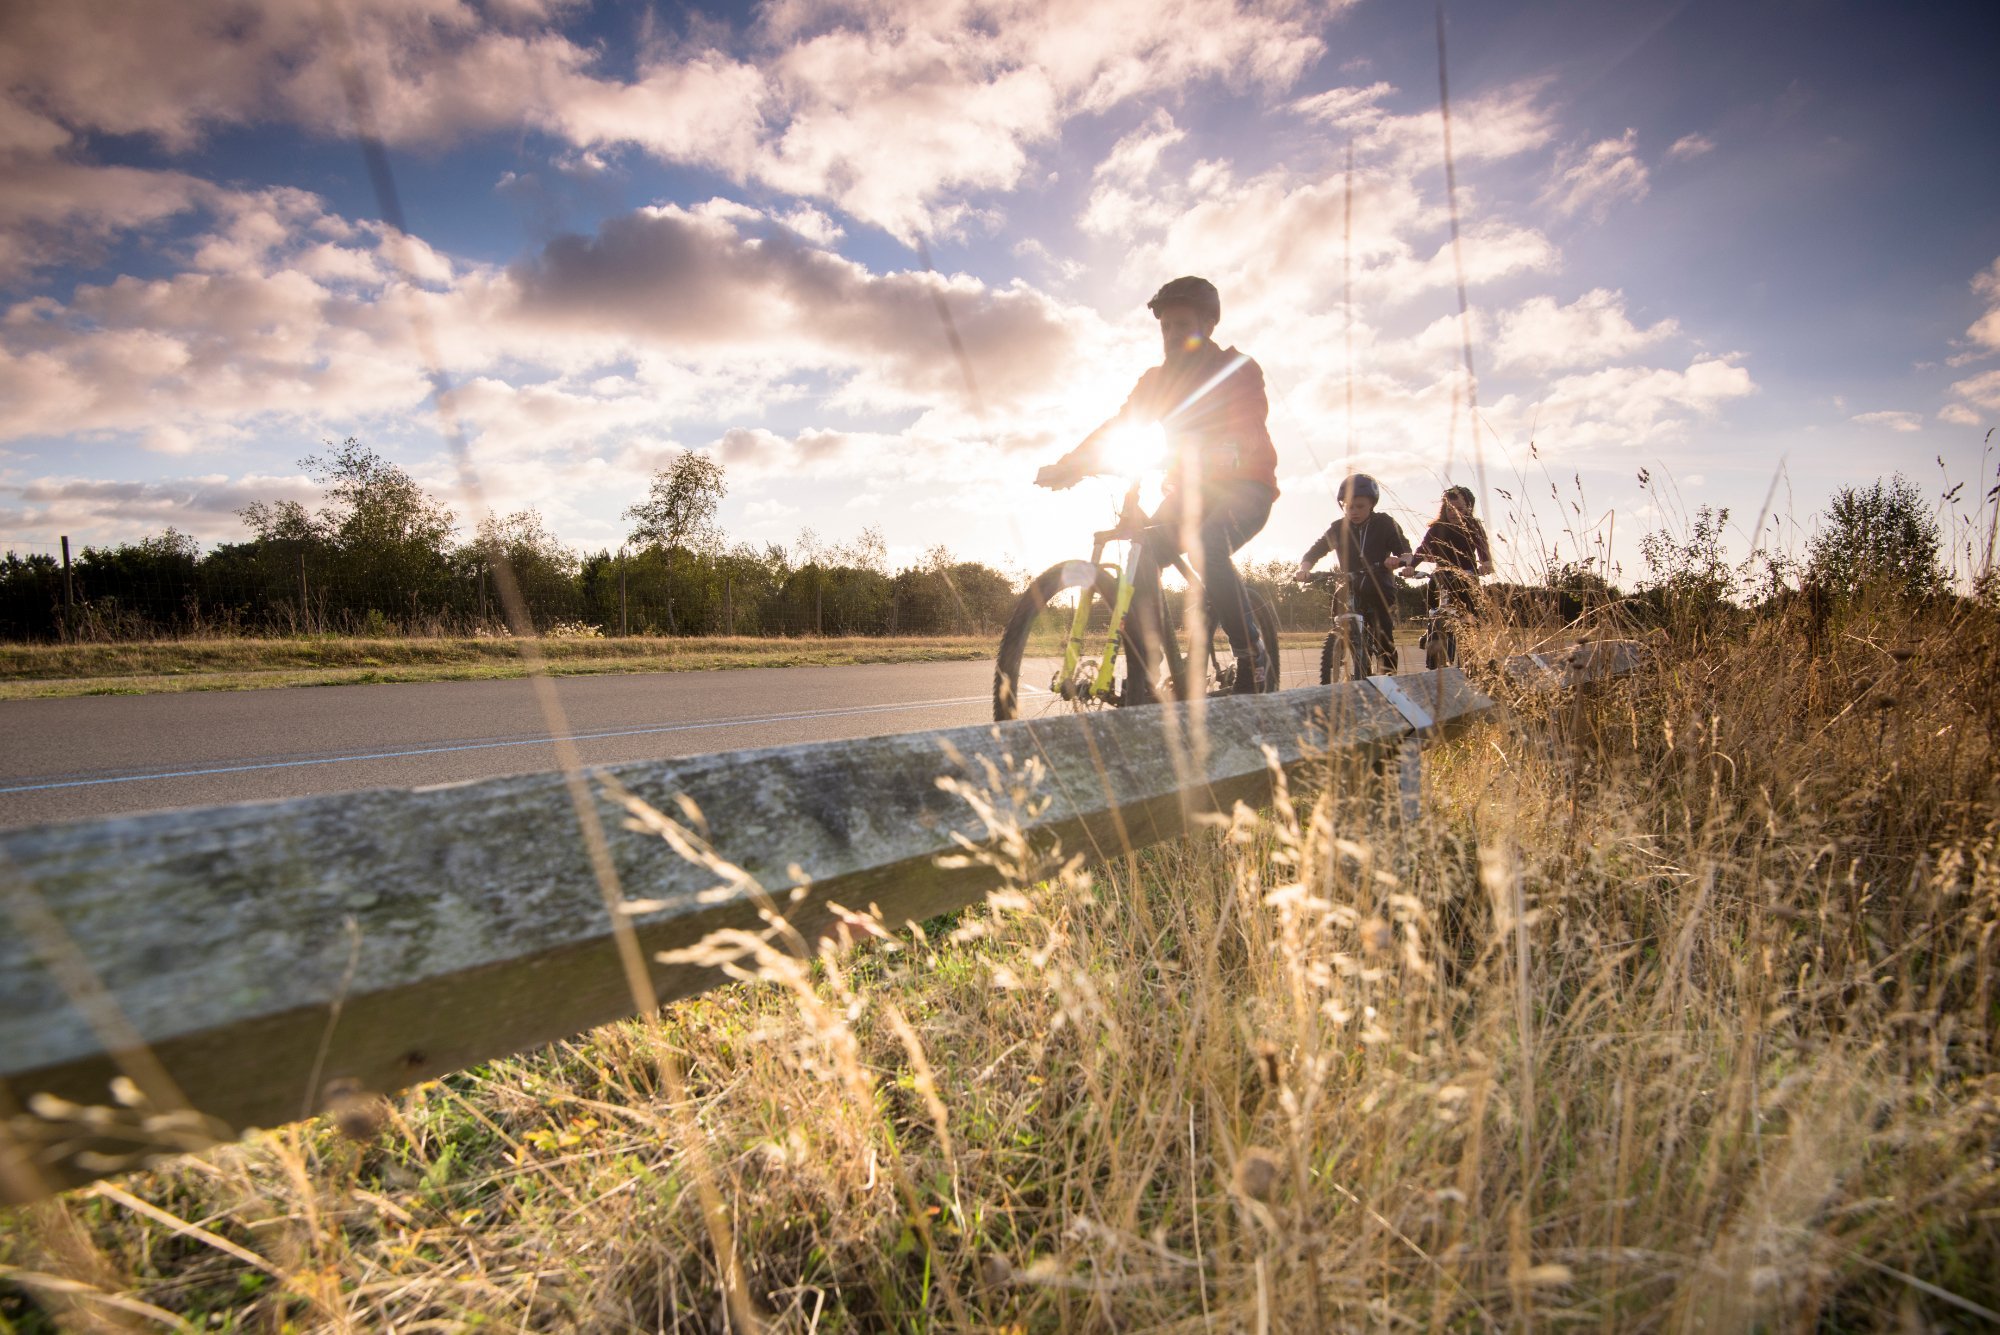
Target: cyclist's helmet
{"x":1359,"y":484}
{"x":1197,"y":294}
{"x":1463,"y":495}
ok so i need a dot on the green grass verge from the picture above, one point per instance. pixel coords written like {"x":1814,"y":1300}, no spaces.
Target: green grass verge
{"x":35,"y":671}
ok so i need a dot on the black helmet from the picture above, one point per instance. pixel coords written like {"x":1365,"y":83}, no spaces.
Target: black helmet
{"x":1197,"y":294}
{"x":1360,"y":484}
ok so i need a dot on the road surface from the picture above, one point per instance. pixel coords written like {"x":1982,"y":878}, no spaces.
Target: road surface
{"x":93,"y":756}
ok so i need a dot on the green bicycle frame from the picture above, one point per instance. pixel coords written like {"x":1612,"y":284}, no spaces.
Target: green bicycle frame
{"x":1107,"y":662}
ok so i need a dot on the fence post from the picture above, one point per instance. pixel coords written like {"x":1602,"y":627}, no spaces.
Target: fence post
{"x":624,"y":618}
{"x":728,"y":605}
{"x":69,"y":591}
{"x":305,"y":613}
{"x":819,"y":622}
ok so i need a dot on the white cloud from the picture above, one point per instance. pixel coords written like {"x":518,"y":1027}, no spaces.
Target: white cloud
{"x":1492,"y":126}
{"x":1893,"y":420}
{"x":881,"y":109}
{"x":1690,"y":146}
{"x":203,"y":506}
{"x":53,"y":210}
{"x":1957,"y":414}
{"x":1592,"y":180}
{"x":1983,"y":389}
{"x":1539,"y":335}
{"x":885,"y":109}
{"x":1622,"y":406}
{"x":1985,"y":331}
{"x":1119,"y":204}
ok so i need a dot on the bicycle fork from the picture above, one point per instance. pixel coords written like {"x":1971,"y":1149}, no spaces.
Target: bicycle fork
{"x":1101,"y":685}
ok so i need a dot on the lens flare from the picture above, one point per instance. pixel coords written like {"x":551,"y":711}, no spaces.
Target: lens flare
{"x":1136,"y":449}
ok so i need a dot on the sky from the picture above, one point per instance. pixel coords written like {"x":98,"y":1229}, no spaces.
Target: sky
{"x":1712,"y":254}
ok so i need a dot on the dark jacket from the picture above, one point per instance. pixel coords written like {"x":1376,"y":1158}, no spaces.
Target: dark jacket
{"x":1379,"y":538}
{"x":1456,"y":545}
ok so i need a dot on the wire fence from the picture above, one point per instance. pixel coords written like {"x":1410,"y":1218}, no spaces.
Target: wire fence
{"x":153,"y":591}
{"x":284,"y":589}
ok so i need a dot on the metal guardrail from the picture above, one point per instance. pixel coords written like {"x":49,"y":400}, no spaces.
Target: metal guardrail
{"x":174,"y":978}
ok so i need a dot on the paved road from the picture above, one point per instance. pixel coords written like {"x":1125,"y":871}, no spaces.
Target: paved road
{"x":110,"y":755}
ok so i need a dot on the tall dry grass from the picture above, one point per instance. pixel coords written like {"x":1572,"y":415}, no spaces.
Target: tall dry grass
{"x":1677,"y":1012}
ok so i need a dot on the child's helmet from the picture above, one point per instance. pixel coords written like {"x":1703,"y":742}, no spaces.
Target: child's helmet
{"x":1359,"y":484}
{"x":1197,"y":294}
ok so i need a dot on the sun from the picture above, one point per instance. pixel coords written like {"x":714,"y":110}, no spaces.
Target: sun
{"x":1134,"y":450}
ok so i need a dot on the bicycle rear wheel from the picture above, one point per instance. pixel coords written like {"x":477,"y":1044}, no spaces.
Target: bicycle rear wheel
{"x":1028,"y":678}
{"x":1220,"y":678}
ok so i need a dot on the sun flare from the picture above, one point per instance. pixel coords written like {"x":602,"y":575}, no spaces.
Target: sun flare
{"x":1135,"y":450}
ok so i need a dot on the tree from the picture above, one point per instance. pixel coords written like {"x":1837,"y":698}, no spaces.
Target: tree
{"x":376,"y":503}
{"x":1691,"y":579}
{"x":1882,"y":537}
{"x":545,"y":571}
{"x":679,"y":509}
{"x":377,"y":547}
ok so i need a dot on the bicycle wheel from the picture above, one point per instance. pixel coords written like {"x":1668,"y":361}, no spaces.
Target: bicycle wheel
{"x":1027,"y":673}
{"x":1440,"y":645}
{"x":1343,"y":656}
{"x":1222,"y":663}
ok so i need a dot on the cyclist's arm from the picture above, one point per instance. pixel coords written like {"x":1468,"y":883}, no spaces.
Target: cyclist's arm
{"x":1079,"y":463}
{"x":1313,"y":555}
{"x":1400,"y":556}
{"x":1082,"y":462}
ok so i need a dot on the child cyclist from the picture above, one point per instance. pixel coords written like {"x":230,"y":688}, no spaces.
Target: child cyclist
{"x":1370,"y":547}
{"x":1222,"y":472}
{"x":1456,"y":545}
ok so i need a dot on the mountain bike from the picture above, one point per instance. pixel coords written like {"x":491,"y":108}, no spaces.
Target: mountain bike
{"x":1050,"y":637}
{"x":1345,"y":654}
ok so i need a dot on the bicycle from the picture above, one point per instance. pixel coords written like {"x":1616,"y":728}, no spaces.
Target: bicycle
{"x":1053,"y":615}
{"x":1345,"y":654}
{"x":1439,"y":640}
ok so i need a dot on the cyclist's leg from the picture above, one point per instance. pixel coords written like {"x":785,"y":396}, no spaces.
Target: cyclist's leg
{"x":1380,"y":620}
{"x":1142,"y":620}
{"x":1235,"y":514}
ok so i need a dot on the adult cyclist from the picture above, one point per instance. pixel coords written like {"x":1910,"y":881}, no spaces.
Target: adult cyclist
{"x":1222,"y":472}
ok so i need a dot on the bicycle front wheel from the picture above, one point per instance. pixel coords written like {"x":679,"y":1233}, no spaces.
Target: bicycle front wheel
{"x":1028,"y":677}
{"x":1440,"y":646}
{"x":1344,"y":654}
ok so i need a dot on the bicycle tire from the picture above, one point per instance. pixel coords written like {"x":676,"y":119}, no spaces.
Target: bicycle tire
{"x":1219,"y":680}
{"x":1033,"y":610}
{"x":1265,"y":620}
{"x":1342,"y":657}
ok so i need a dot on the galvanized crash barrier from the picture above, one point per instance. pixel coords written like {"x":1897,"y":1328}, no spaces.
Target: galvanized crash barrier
{"x":169,"y":980}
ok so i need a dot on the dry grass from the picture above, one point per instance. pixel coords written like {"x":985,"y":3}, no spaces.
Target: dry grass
{"x":1679,"y":1013}
{"x":30,"y":671}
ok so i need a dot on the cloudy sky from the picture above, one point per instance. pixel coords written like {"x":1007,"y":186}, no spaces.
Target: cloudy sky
{"x":1722,"y":243}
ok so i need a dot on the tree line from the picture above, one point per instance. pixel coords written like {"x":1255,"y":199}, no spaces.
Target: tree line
{"x":380,"y":557}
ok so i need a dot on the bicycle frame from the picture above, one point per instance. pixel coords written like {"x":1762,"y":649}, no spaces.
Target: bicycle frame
{"x":1130,"y":522}
{"x":1350,"y":625}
